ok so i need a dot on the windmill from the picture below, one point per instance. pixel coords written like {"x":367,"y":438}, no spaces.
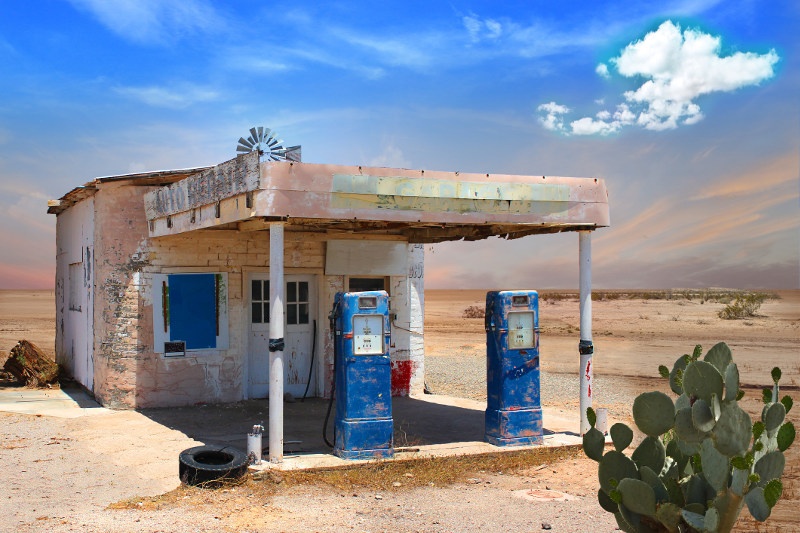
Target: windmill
{"x":268,"y":145}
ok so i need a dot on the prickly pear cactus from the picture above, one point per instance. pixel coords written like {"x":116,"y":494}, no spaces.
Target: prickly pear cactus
{"x":703,"y":458}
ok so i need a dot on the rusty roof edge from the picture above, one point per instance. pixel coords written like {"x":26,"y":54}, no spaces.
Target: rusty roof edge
{"x":81,"y":192}
{"x":56,"y":207}
{"x":152,"y":174}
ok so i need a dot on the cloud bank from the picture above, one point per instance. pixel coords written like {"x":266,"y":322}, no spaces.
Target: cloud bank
{"x":153,"y":21}
{"x":678,"y":66}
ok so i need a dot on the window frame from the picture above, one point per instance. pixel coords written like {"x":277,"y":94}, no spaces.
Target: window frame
{"x":161,"y":309}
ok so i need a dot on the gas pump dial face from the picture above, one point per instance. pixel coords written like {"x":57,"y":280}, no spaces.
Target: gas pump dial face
{"x":521,"y":333}
{"x":368,"y":335}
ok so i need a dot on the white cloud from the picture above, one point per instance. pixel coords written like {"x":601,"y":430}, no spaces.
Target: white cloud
{"x":602,"y":70}
{"x":553,"y":119}
{"x":479,"y":29}
{"x":392,"y":156}
{"x":153,"y":21}
{"x":679,"y":66}
{"x":390,"y":50}
{"x":179,"y":97}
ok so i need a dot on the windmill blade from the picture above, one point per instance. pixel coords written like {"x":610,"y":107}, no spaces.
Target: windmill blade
{"x":270,"y":146}
{"x":293,"y":153}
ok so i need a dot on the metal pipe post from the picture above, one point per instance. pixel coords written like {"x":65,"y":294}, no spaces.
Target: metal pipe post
{"x":585,"y":347}
{"x":276,"y":342}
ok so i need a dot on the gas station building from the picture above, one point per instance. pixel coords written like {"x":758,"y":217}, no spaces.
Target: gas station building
{"x":215,"y":284}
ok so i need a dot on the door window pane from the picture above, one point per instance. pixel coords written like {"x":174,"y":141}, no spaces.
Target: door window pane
{"x":303,"y":291}
{"x":303,"y":315}
{"x":291,"y":313}
{"x":291,"y":291}
{"x":259,"y":301}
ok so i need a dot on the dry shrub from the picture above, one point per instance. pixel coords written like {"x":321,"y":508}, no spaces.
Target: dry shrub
{"x":474,"y":311}
{"x":744,"y":306}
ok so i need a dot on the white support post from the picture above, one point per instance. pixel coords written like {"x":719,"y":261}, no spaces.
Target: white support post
{"x":276,"y":342}
{"x":585,"y":347}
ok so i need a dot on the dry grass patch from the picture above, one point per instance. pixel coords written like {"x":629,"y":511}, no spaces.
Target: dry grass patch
{"x":431,"y":471}
{"x":381,"y":475}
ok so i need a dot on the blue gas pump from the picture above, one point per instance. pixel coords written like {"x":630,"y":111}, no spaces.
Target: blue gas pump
{"x":513,"y":410}
{"x":363,"y":425}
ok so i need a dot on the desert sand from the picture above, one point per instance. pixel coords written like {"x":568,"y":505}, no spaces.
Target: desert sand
{"x":631,"y":337}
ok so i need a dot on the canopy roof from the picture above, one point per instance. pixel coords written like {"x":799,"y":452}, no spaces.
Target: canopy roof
{"x":421,"y":206}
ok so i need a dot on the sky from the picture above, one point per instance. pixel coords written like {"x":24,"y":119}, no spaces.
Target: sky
{"x":688,"y":109}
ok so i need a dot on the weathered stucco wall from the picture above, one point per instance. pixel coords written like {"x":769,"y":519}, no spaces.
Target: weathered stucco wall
{"x":407,"y":353}
{"x":120,"y":258}
{"x":74,"y":292}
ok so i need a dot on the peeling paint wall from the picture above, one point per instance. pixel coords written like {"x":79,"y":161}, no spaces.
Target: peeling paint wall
{"x":407,"y":352}
{"x":331,"y":285}
{"x":75,"y":292}
{"x":120,"y":259}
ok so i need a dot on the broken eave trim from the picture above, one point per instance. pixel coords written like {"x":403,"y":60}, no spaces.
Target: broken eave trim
{"x":478,"y":232}
{"x":177,"y":174}
{"x":211,"y":185}
{"x":56,"y":207}
{"x":158,"y":177}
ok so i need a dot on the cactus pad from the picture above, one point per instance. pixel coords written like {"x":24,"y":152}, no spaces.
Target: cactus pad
{"x":733,"y":430}
{"x":638,"y":496}
{"x":653,"y":413}
{"x":650,"y":453}
{"x":702,"y":379}
{"x":621,"y":436}
{"x":593,"y":443}
{"x":615,"y":465}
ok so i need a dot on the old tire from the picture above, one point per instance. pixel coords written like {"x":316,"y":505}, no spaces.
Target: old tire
{"x":211,"y":465}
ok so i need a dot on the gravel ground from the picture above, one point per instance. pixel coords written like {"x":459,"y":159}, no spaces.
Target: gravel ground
{"x":465,"y":377}
{"x":64,"y":481}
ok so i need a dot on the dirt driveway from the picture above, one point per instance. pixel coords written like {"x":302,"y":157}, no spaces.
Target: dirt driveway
{"x":70,"y":467}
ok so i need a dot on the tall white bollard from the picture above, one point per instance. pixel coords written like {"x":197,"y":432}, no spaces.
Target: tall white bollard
{"x":585,"y":347}
{"x":276,"y":342}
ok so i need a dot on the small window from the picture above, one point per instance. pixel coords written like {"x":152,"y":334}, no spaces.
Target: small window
{"x":190,"y":308}
{"x":297,"y":302}
{"x":367,"y":284}
{"x":259,"y":301}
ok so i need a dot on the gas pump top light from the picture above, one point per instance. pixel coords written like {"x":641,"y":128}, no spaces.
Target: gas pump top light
{"x":520,"y":301}
{"x":367,"y":302}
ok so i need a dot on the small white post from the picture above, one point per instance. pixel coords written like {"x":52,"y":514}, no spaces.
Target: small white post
{"x":585,"y":347}
{"x":276,"y":333}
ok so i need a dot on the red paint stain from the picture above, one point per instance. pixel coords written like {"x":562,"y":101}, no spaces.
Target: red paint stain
{"x":589,"y":369}
{"x":401,"y":377}
{"x":590,"y":390}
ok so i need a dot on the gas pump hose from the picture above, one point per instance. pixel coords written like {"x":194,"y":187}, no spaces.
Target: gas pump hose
{"x":332,"y":318}
{"x":311,"y":366}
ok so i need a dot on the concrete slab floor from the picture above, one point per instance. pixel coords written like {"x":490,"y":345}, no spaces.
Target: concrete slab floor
{"x":425,"y":426}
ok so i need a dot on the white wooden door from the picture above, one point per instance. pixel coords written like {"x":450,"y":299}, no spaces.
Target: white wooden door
{"x":300,"y":304}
